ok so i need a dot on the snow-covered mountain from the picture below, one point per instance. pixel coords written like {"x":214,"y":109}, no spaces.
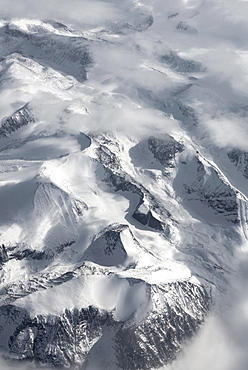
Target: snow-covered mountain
{"x":122,"y":187}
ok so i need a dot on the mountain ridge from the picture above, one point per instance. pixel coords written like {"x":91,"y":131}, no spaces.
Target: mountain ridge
{"x":121,"y":216}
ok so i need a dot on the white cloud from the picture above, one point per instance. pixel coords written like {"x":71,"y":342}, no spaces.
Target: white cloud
{"x":221,"y":344}
{"x":221,"y":46}
{"x":74,"y":12}
{"x":227,"y":132}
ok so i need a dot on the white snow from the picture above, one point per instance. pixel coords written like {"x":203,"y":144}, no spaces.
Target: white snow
{"x":54,"y":194}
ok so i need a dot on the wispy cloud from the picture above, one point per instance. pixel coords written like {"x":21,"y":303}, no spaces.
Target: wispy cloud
{"x":74,"y":12}
{"x":221,"y":344}
{"x":220,"y":45}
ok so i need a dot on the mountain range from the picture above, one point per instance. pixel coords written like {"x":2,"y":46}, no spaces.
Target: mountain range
{"x":123,"y":187}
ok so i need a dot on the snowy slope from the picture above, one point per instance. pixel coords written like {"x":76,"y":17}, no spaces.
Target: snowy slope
{"x":122,"y":207}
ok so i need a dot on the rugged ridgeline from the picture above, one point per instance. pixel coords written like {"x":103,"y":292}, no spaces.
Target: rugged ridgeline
{"x":115,"y":243}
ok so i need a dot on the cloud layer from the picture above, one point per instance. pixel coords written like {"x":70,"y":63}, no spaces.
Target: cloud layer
{"x":221,"y":344}
{"x":220,"y":45}
{"x":74,"y":12}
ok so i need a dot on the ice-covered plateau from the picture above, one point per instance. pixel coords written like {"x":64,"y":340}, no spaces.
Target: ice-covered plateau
{"x":118,"y":220}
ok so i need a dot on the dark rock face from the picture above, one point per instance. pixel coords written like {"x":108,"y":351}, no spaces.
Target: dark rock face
{"x":174,"y":14}
{"x":20,"y":118}
{"x":181,"y":65}
{"x":59,"y":341}
{"x":165,"y":150}
{"x":60,"y":55}
{"x":145,"y":216}
{"x":183,"y":26}
{"x":108,"y":158}
{"x":240,"y":159}
{"x":67,"y":340}
{"x":156,"y":341}
{"x":3,"y":254}
{"x":71,"y":58}
{"x":148,"y":211}
{"x":30,"y":254}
